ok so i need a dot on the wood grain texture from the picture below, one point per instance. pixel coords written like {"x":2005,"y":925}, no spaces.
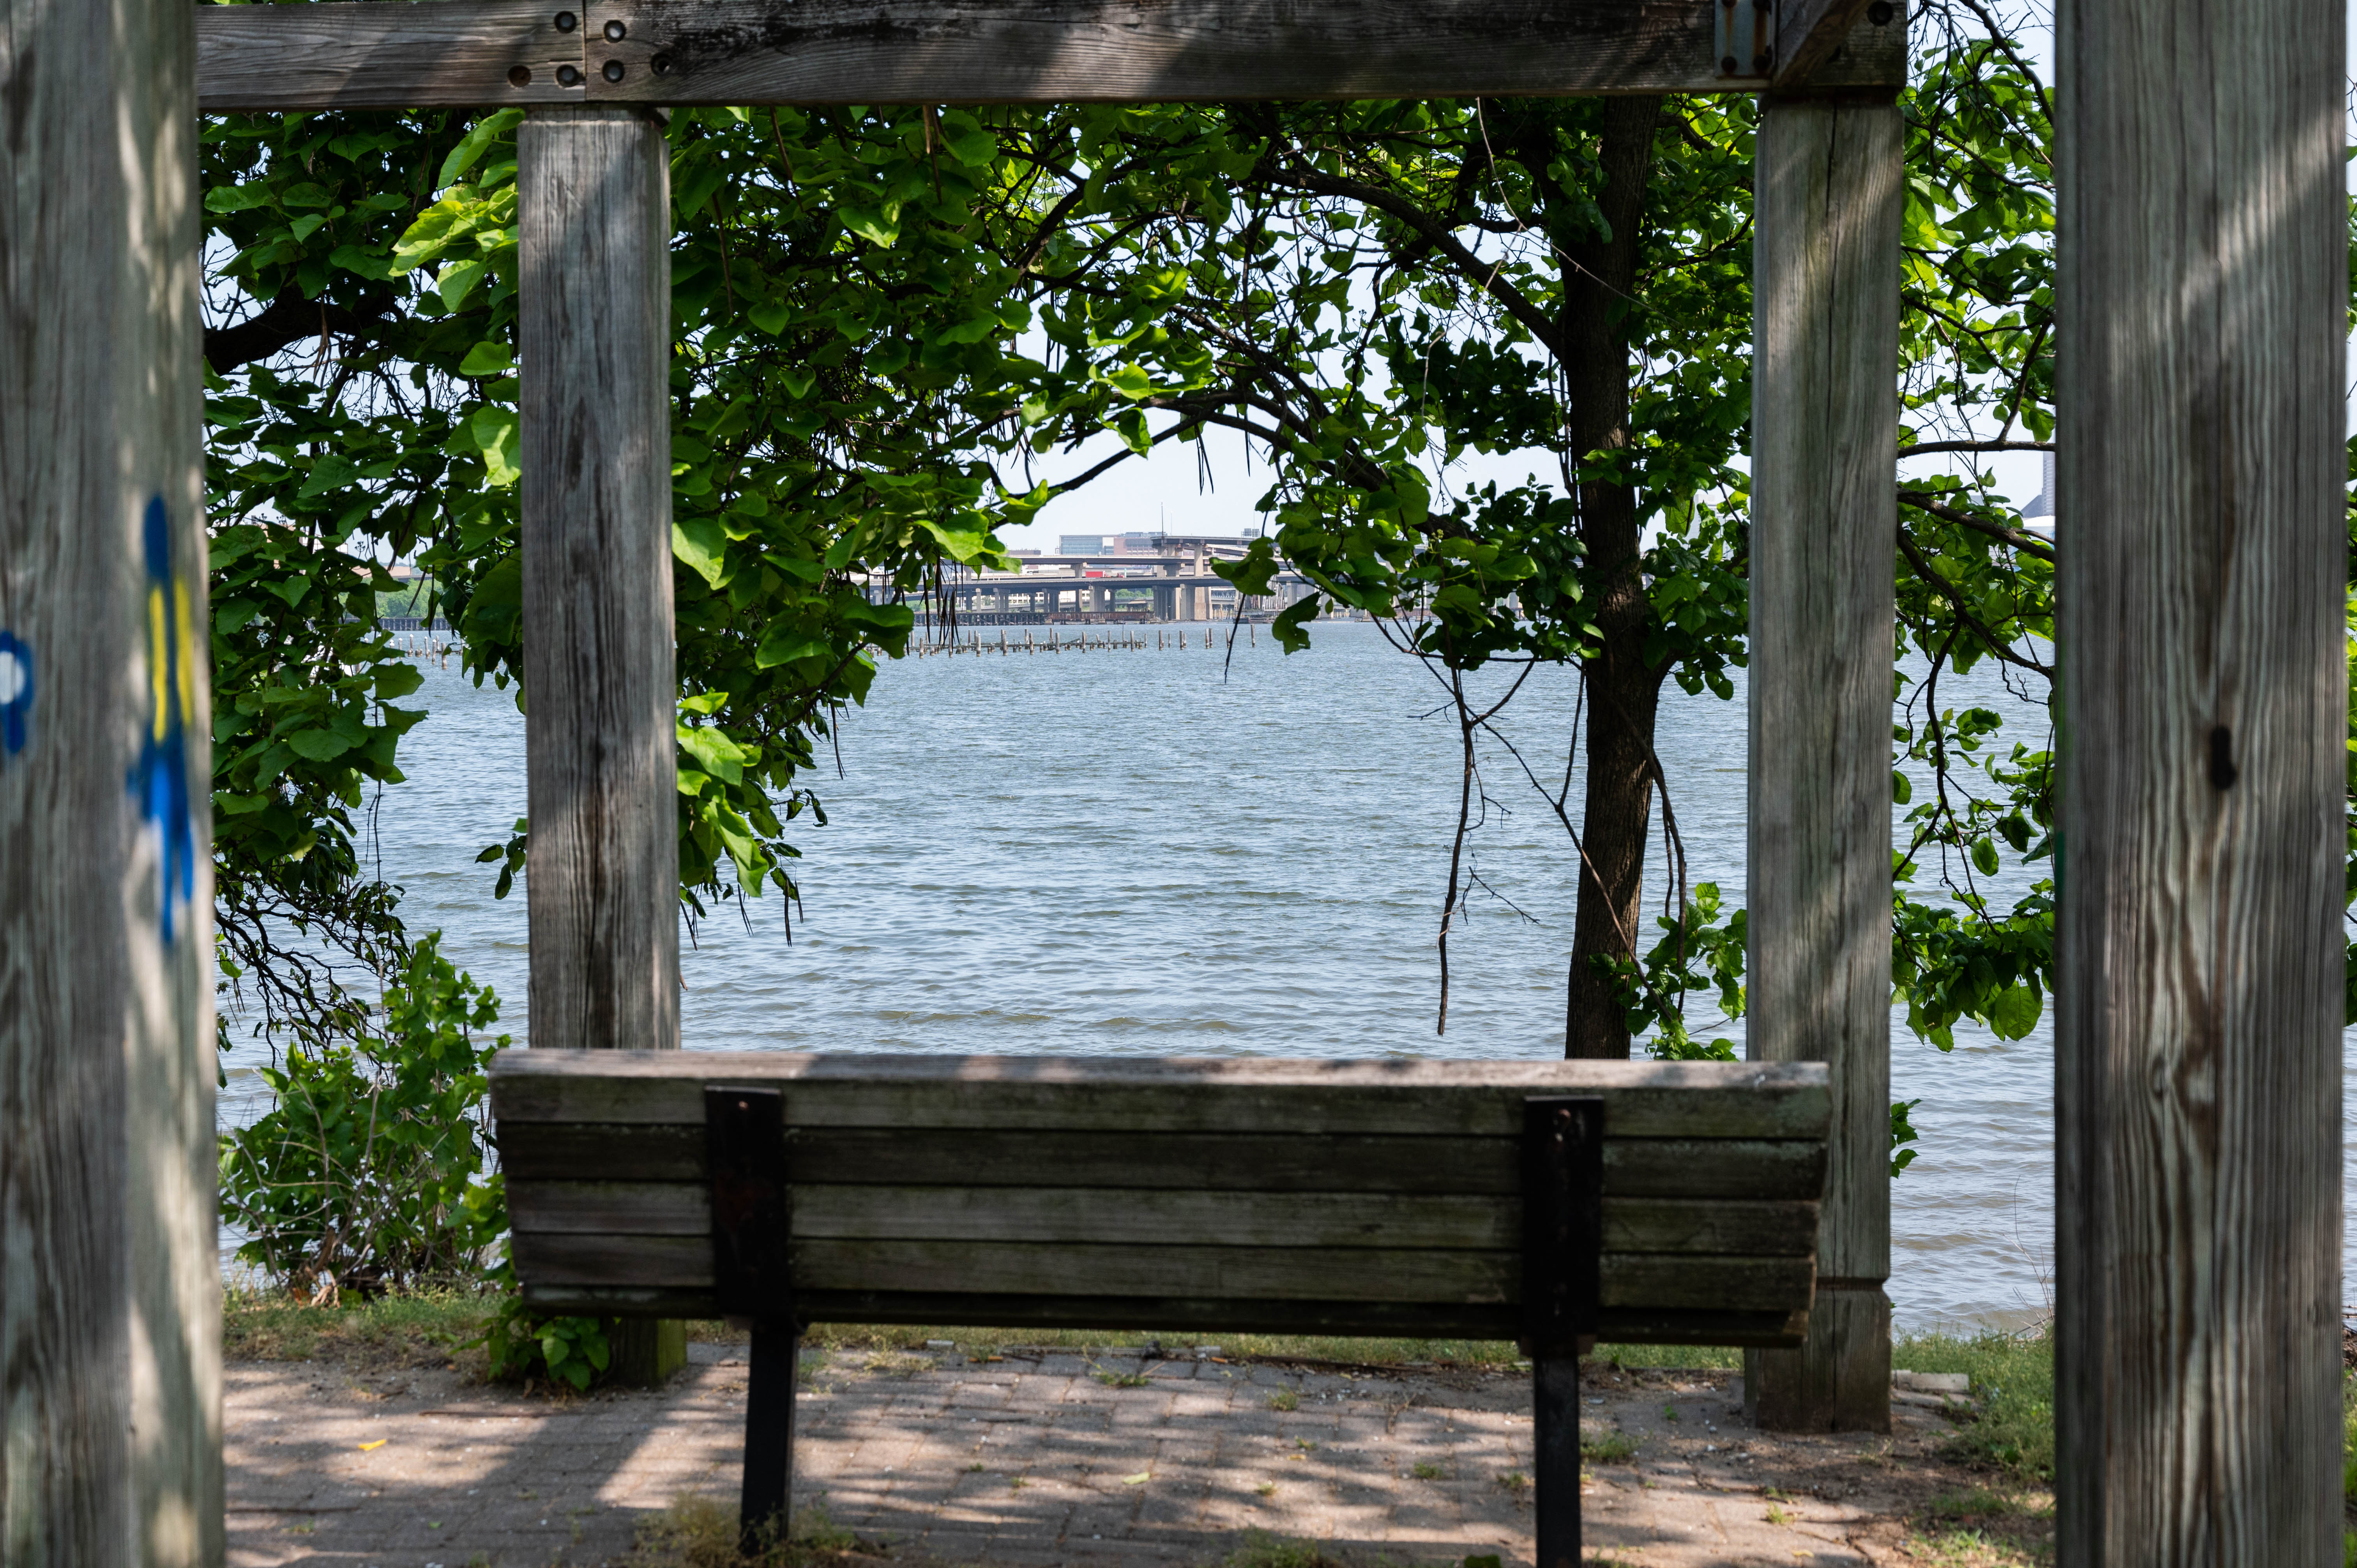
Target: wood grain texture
{"x":374,"y":55}
{"x":1045,"y":52}
{"x":1170,"y":1094}
{"x":1629,"y":1326}
{"x":1824,"y":531}
{"x":110,"y":1334}
{"x":2201,"y":289}
{"x":949,"y":1269}
{"x":1633,"y":1168}
{"x":1810,"y":33}
{"x":600,"y":749}
{"x":1444,"y":1222}
{"x":1810,"y":1389}
{"x":461,"y":53}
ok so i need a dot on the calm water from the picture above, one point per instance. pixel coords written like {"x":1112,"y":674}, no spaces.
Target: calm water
{"x":1119,"y":853}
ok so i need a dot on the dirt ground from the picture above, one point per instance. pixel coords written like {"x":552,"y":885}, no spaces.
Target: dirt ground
{"x":1056,"y":1457}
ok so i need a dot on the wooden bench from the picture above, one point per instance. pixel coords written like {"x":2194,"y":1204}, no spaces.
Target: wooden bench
{"x":1541,"y":1202}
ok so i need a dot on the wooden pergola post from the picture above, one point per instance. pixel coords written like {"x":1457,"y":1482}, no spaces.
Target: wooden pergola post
{"x":593,"y":344}
{"x":110,"y":1281}
{"x":1825,"y":517}
{"x":2202,"y":280}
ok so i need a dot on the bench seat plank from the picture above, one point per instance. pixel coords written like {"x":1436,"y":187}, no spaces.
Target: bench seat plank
{"x":1151,"y":1271}
{"x":1647,"y":1167}
{"x":1444,"y":1221}
{"x":1420,"y":1096}
{"x":1649,"y":1325}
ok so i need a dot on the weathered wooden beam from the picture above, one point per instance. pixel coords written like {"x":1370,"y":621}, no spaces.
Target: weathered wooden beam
{"x":594,"y":343}
{"x":1823,"y":530}
{"x":381,"y":54}
{"x":1810,"y":33}
{"x":109,"y":1284}
{"x":2201,"y":281}
{"x":462,"y":53}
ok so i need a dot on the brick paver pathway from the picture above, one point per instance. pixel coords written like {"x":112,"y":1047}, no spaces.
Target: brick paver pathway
{"x":1036,"y":1460}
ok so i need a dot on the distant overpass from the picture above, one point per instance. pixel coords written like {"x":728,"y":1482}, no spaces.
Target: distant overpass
{"x":999,"y":597}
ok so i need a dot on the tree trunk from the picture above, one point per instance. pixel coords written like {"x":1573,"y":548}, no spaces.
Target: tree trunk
{"x":1622,"y":691}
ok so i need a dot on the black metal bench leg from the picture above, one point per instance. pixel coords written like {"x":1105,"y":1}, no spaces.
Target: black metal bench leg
{"x":1555,"y":1389}
{"x":767,"y":1511}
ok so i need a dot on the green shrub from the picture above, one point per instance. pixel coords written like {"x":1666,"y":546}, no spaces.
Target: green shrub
{"x":523,"y":1347}
{"x":368,"y":1172}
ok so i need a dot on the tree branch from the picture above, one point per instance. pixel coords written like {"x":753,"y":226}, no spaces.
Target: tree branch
{"x":291,"y":318}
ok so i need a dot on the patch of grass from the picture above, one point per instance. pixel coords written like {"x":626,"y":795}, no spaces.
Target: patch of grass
{"x":1979,"y":1502}
{"x":1262,"y":1550}
{"x":1986,"y":1527}
{"x":2013,"y":1379}
{"x":388,"y":1333}
{"x":2349,"y":1447}
{"x":1513,"y":1481}
{"x":897,"y":1363}
{"x":701,"y":1532}
{"x":1972,"y":1549}
{"x":1680,"y":1358}
{"x":1425,"y":1470}
{"x":1778,"y":1514}
{"x":1609,"y":1448}
{"x":1284,"y":1399}
{"x":1122,"y":1379}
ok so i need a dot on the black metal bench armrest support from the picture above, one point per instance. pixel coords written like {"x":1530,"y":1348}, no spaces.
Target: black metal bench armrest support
{"x":752,"y":1232}
{"x":1563,"y":1239}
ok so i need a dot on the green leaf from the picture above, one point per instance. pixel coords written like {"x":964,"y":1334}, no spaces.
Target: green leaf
{"x":477,"y":142}
{"x":783,"y":645}
{"x":721,"y":757}
{"x":487,"y":360}
{"x":361,"y":262}
{"x":318,"y":745}
{"x":495,"y":433}
{"x":457,"y":281}
{"x":239,"y":198}
{"x":1985,"y":856}
{"x":878,"y":226}
{"x":1130,"y":425}
{"x":2016,"y":1012}
{"x":699,"y":544}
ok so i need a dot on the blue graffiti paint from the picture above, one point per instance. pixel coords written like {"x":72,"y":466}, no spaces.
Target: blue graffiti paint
{"x":159,"y":780}
{"x":16,"y":694}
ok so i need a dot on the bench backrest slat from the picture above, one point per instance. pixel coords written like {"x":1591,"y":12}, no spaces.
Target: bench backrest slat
{"x":1172,"y":1193}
